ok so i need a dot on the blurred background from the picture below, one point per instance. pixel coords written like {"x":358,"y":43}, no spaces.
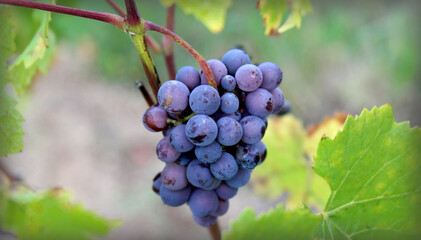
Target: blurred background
{"x":83,"y":128}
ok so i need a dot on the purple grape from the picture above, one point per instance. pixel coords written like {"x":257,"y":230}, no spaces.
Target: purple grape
{"x":278,"y":100}
{"x":155,"y":119}
{"x":166,"y":132}
{"x":210,"y":153}
{"x":204,"y":99}
{"x":228,"y":83}
{"x":157,"y":182}
{"x":205,"y":221}
{"x":225,"y":192}
{"x":223,"y":206}
{"x":185,"y":159}
{"x":230,"y":131}
{"x":248,"y":156}
{"x":262,"y":150}
{"x":214,"y":185}
{"x":253,"y":129}
{"x":260,"y":103}
{"x":229,"y":103}
{"x":235,"y":58}
{"x":272,"y":75}
{"x":199,"y":175}
{"x":165,"y":152}
{"x":249,"y":77}
{"x":178,"y":139}
{"x":240,"y":179}
{"x":173,"y":96}
{"x":218,"y":115}
{"x":189,"y":76}
{"x":175,"y":198}
{"x":203,"y":203}
{"x":218,"y":69}
{"x":225,"y":168}
{"x":286,"y":108}
{"x":201,"y":130}
{"x":174,"y":177}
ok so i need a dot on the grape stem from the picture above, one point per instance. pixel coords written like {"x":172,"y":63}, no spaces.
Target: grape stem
{"x":100,"y":16}
{"x":215,"y":231}
{"x":116,"y":8}
{"x":150,"y":26}
{"x":168,"y":45}
{"x":145,"y":93}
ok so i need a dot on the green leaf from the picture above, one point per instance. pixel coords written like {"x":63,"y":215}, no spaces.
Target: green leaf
{"x":212,"y":13}
{"x":48,"y":215}
{"x":36,"y":57}
{"x":373,"y":169}
{"x":276,"y":224}
{"x":10,"y":119}
{"x":288,"y":166}
{"x":274,"y":11}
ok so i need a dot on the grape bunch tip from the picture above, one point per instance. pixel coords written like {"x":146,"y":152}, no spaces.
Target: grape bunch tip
{"x":212,"y":137}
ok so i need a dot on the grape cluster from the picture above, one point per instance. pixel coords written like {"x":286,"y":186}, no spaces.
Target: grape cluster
{"x":212,"y":137}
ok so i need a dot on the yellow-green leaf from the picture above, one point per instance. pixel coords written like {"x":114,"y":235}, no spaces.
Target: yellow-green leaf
{"x":212,"y":13}
{"x":274,"y":11}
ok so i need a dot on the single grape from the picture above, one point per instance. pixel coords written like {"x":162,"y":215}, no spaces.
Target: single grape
{"x":262,"y":150}
{"x":272,"y":75}
{"x":225,"y":168}
{"x":178,"y":139}
{"x":205,"y":221}
{"x":253,"y":129}
{"x":248,"y":156}
{"x":218,"y":115}
{"x":225,"y":192}
{"x":260,"y":103}
{"x":201,"y":130}
{"x":173,"y":96}
{"x":209,"y":153}
{"x":185,"y":159}
{"x":223,"y":206}
{"x":157,"y":183}
{"x":175,"y":198}
{"x":203,"y":203}
{"x":165,"y":152}
{"x":234,"y":59}
{"x":230,"y":131}
{"x":218,"y":69}
{"x":174,"y":177}
{"x":155,"y":119}
{"x":189,"y":76}
{"x":240,"y":179}
{"x":204,"y":99}
{"x":248,"y":77}
{"x":278,"y":100}
{"x":166,"y":132}
{"x":214,"y":185}
{"x":286,"y":108}
{"x":199,"y":175}
{"x":229,"y":103}
{"x":228,"y":83}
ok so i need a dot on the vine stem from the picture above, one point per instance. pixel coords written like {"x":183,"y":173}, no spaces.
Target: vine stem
{"x":100,"y":16}
{"x":168,"y":45}
{"x":116,"y":8}
{"x":215,"y":231}
{"x":150,"y":26}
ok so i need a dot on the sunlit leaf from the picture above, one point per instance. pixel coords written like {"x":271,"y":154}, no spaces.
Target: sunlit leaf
{"x":274,"y":11}
{"x":212,"y":13}
{"x":48,"y":215}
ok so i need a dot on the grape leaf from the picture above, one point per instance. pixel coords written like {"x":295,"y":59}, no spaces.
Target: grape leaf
{"x":276,"y":224}
{"x":273,"y":12}
{"x":212,"y":13}
{"x":36,"y":57}
{"x":10,"y":119}
{"x":48,"y":215}
{"x":288,"y":167}
{"x":373,"y":169}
